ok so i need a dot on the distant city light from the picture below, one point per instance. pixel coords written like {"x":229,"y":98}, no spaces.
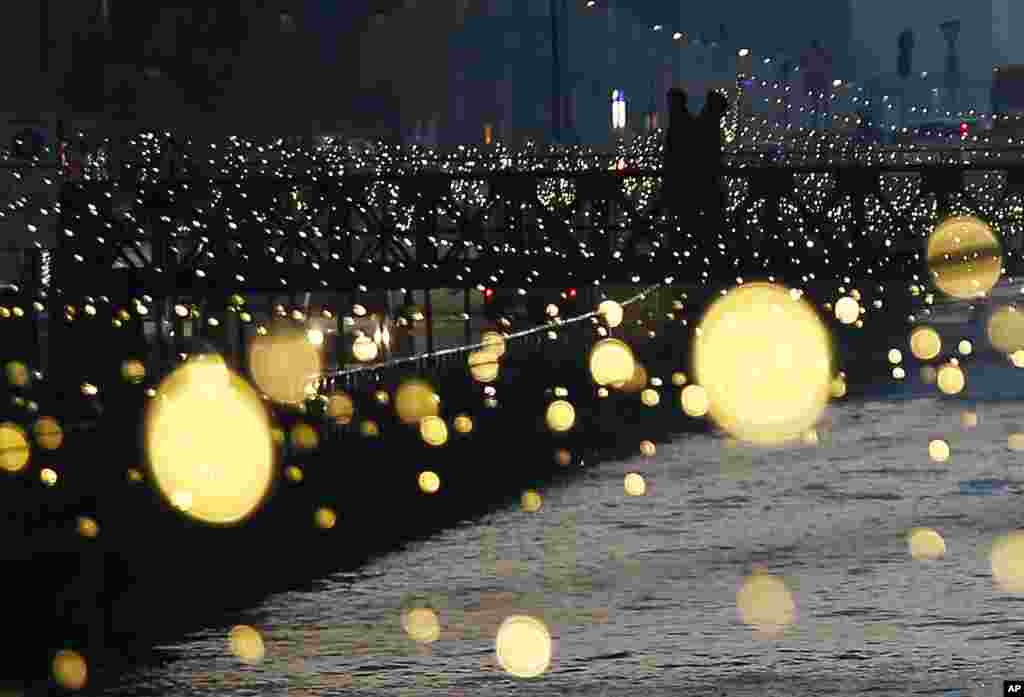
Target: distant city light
{"x":678,"y":35}
{"x":744,"y":52}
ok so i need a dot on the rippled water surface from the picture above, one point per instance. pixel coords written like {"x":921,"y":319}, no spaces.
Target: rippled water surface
{"x":640,"y":593}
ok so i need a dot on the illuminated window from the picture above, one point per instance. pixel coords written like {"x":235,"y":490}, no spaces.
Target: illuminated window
{"x":618,"y":109}
{"x":488,"y":133}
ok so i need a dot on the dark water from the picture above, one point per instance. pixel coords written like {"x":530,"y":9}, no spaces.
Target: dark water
{"x":639,"y":593}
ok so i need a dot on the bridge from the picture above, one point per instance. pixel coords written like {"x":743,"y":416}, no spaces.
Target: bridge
{"x":314,"y":220}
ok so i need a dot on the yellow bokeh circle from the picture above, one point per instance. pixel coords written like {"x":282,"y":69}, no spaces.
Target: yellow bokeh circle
{"x":765,"y":603}
{"x":246,"y":644}
{"x":925,"y":343}
{"x":208,"y":442}
{"x":523,"y":646}
{"x":1007,"y":558}
{"x":926,"y":544}
{"x":765,"y":361}
{"x":560,"y":416}
{"x":951,"y":379}
{"x":429,"y":482}
{"x":14,"y":447}
{"x":421,"y":625}
{"x":282,"y":365}
{"x":634,"y":484}
{"x":70,"y":670}
{"x":434,"y":430}
{"x":964,"y":257}
{"x":611,"y":362}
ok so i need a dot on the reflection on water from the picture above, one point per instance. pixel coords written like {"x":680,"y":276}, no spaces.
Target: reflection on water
{"x":639,"y":593}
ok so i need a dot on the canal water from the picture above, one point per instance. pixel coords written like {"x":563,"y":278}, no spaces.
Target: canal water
{"x":640,"y":593}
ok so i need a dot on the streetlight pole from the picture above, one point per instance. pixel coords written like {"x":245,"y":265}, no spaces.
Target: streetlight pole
{"x":556,"y":78}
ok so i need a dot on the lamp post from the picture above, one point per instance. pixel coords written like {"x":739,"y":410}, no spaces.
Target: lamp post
{"x":951,"y":32}
{"x":556,"y":77}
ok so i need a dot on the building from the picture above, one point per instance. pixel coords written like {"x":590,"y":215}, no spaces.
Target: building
{"x":986,"y":39}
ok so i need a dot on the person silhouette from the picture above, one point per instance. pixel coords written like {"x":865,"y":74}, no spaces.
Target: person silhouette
{"x":708,"y":137}
{"x":674,"y":194}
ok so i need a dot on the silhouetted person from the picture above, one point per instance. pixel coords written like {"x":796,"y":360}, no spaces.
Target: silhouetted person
{"x":675,"y":195}
{"x":710,"y":168}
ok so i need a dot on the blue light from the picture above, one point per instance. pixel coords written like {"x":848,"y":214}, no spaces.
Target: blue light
{"x":616,"y":95}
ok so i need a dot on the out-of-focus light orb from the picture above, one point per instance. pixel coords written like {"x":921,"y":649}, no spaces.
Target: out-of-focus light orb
{"x":678,"y":379}
{"x":765,"y":361}
{"x":358,"y":310}
{"x":968,"y":419}
{"x":87,"y":527}
{"x":429,"y":482}
{"x":414,"y":400}
{"x":611,"y":362}
{"x":647,"y":448}
{"x":634,"y":484}
{"x":89,"y":390}
{"x":133,"y":371}
{"x":70,"y":670}
{"x":293,"y":474}
{"x":369,"y":429}
{"x":212,"y":439}
{"x":636,"y":382}
{"x":694,"y":399}
{"x":612,"y":313}
{"x":938,"y":450}
{"x":602,"y":392}
{"x":523,"y":646}
{"x":650,"y":397}
{"x":493,"y":342}
{"x":340,"y":408}
{"x":964,"y":347}
{"x":434,"y":430}
{"x":315,"y":337}
{"x":364,"y":349}
{"x":1007,"y":558}
{"x":551,"y":310}
{"x":925,"y":343}
{"x":837,"y":388}
{"x":304,"y":437}
{"x":563,"y":458}
{"x":421,"y":625}
{"x":964,"y":257}
{"x":463,"y":424}
{"x":48,"y":476}
{"x":929,"y":375}
{"x":926,"y":544}
{"x":951,"y":379}
{"x":1017,"y":358}
{"x":325,"y":518}
{"x":17,"y":374}
{"x":1005,"y":329}
{"x":895,"y":356}
{"x":246,"y":644}
{"x":484,"y":366}
{"x":283,"y":364}
{"x":382,"y":397}
{"x":1015,"y":442}
{"x":560,"y":416}
{"x":765,"y":603}
{"x":898,"y":373}
{"x":810,"y":437}
{"x":847,"y":310}
{"x":531,"y":501}
{"x":134,"y":475}
{"x":14,"y":447}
